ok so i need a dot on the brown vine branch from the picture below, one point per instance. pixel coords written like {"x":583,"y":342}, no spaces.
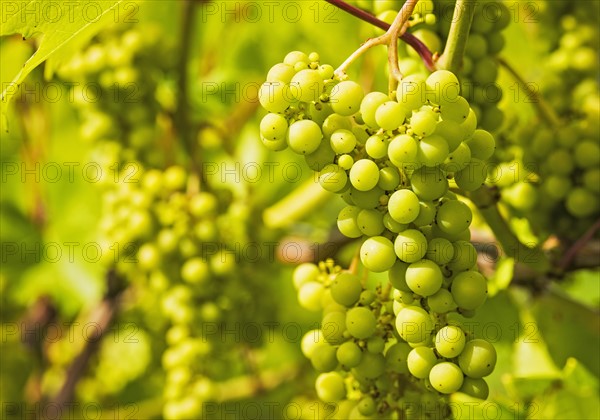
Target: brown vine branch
{"x":574,"y":250}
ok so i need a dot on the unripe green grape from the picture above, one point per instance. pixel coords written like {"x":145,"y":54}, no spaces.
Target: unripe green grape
{"x":410,"y":245}
{"x":321,"y":157}
{"x":349,"y":354}
{"x":364,"y":175}
{"x":591,"y":180}
{"x":446,"y":377}
{"x":369,"y":106}
{"x":457,"y":160}
{"x":476,"y":388}
{"x":342,"y":141}
{"x":396,"y":357}
{"x":333,"y":178}
{"x":377,"y":254}
{"x":336,"y":122}
{"x":390,"y":115}
{"x":423,"y":123}
{"x":473,"y":176}
{"x":376,"y":147}
{"x":485,"y":71}
{"x":375,"y":344}
{"x":346,"y":289}
{"x":481,"y":144}
{"x":587,"y":154}
{"x":450,"y":341}
{"x":478,"y":358}
{"x":275,"y":96}
{"x":370,"y":222}
{"x":560,"y":162}
{"x":304,"y":273}
{"x":148,"y":257}
{"x":366,"y":199}
{"x":294,"y":57}
{"x":521,"y":196}
{"x":330,"y":387}
{"x":323,"y":358}
{"x":334,"y":326}
{"x":280,"y":72}
{"x":403,"y":206}
{"x":371,"y":366}
{"x":274,"y":145}
{"x":442,"y":87}
{"x":424,"y":277}
{"x":465,"y":256}
{"x":361,"y":322}
{"x":432,"y":150}
{"x":389,"y":178}
{"x":582,"y":203}
{"x":347,"y":222}
{"x":469,"y":125}
{"x":477,"y":45}
{"x":429,"y":38}
{"x":402,"y":150}
{"x":202,"y":204}
{"x":345,"y":161}
{"x":304,"y":136}
{"x":557,"y":187}
{"x":366,"y":406}
{"x":429,"y":183}
{"x":397,"y":276}
{"x":307,"y":85}
{"x":440,"y":251}
{"x":412,"y":93}
{"x":451,"y":131}
{"x":346,"y":97}
{"x":195,"y":271}
{"x":453,"y":217}
{"x":456,"y":111}
{"x":469,"y":290}
{"x":441,"y":302}
{"x":392,"y":225}
{"x":426,"y":215}
{"x":273,"y":127}
{"x":420,"y":361}
{"x":310,"y":341}
{"x":174,"y":178}
{"x":310,"y":295}
{"x":414,"y":324}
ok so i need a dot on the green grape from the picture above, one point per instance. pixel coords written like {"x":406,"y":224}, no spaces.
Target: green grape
{"x":349,"y":354}
{"x":148,"y":257}
{"x":195,"y":270}
{"x":522,"y":196}
{"x":371,"y":366}
{"x":390,"y":115}
{"x":469,"y":290}
{"x":429,"y":183}
{"x":377,"y":254}
{"x":203,"y":204}
{"x":446,"y":377}
{"x":469,"y":125}
{"x":402,"y":150}
{"x":274,"y":145}
{"x":423,"y":123}
{"x":432,"y":150}
{"x":306,"y":85}
{"x":336,"y":122}
{"x":369,"y":106}
{"x":403,"y":206}
{"x":396,"y":357}
{"x":451,"y":131}
{"x":397,"y":276}
{"x":591,"y":180}
{"x":478,"y":358}
{"x":323,"y":358}
{"x":366,"y":199}
{"x":465,"y":256}
{"x":453,"y":217}
{"x":294,"y":57}
{"x":426,"y":215}
{"x":280,"y":72}
{"x":320,"y":158}
{"x":333,"y":178}
{"x":485,"y":71}
{"x":389,"y":178}
{"x":174,"y":178}
{"x":364,"y":175}
{"x":376,"y":147}
{"x":456,"y":111}
{"x":275,"y":96}
{"x":560,"y":162}
{"x":420,"y":362}
{"x":440,"y":251}
{"x":346,"y":98}
{"x":556,"y":187}
{"x":370,"y":222}
{"x":310,"y":342}
{"x":457,"y":160}
{"x":347,"y":222}
{"x":304,"y":136}
{"x":442,"y":87}
{"x":345,"y":161}
{"x":366,"y":406}
{"x":360,"y":322}
{"x":424,"y":277}
{"x":333,"y":326}
{"x":410,"y":245}
{"x":581,"y":203}
{"x":481,"y":144}
{"x":476,"y":388}
{"x":330,"y":387}
{"x":473,"y":176}
{"x":346,"y":289}
{"x":411,"y":93}
{"x":441,"y":302}
{"x":414,"y":324}
{"x":343,"y":141}
{"x":450,"y":341}
{"x":587,"y":154}
{"x":375,"y":344}
{"x":310,"y":295}
{"x":318,"y":112}
{"x":392,"y":225}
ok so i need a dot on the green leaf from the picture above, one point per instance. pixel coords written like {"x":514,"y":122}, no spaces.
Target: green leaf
{"x":65,"y":26}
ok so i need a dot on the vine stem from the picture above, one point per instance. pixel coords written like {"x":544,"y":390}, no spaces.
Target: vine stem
{"x":390,"y":38}
{"x":452,"y":57}
{"x":572,"y":252}
{"x":542,"y":107}
{"x":414,"y":42}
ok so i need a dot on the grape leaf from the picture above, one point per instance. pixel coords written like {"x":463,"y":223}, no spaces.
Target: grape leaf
{"x":65,"y":24}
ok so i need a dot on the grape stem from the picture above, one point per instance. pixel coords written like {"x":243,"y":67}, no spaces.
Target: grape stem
{"x":542,"y":107}
{"x":572,"y":252}
{"x":452,"y":57}
{"x":390,"y":38}
{"x":407,"y":37}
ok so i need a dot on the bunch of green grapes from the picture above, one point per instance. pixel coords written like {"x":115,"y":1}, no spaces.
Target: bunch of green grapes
{"x":392,"y":161}
{"x":553,"y":170}
{"x":386,"y":10}
{"x":173,"y":244}
{"x":120,"y":71}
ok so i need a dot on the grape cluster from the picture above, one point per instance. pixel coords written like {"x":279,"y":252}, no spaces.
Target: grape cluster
{"x":387,"y":10}
{"x":554,"y":171}
{"x":392,"y":161}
